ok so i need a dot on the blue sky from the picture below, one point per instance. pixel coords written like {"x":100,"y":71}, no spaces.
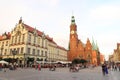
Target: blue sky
{"x":99,"y":19}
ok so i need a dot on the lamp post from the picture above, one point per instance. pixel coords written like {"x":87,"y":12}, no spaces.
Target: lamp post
{"x":24,"y":59}
{"x":14,"y":52}
{"x":1,"y":51}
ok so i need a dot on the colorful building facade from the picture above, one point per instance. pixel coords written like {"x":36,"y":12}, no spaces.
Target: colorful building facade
{"x":115,"y":57}
{"x":78,"y":49}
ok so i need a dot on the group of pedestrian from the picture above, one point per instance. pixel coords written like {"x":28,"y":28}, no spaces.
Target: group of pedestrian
{"x":115,"y":67}
{"x":104,"y":69}
{"x":74,"y":68}
{"x":52,"y":68}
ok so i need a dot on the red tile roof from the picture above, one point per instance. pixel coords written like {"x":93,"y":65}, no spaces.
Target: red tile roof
{"x":31,"y":29}
{"x":0,"y":37}
{"x":8,"y":35}
{"x":61,"y":47}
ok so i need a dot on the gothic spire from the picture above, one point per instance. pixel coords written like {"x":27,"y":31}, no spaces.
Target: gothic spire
{"x":72,"y":20}
{"x":94,"y":47}
{"x":20,"y":21}
{"x":97,"y":46}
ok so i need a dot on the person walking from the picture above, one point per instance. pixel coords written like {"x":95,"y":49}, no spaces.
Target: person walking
{"x":115,"y":67}
{"x":103,"y":69}
{"x":119,"y":67}
{"x":0,"y":67}
{"x":106,"y":69}
{"x":39,"y":67}
{"x":4,"y":66}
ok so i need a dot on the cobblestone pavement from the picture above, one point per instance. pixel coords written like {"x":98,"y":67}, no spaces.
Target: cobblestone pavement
{"x":59,"y":74}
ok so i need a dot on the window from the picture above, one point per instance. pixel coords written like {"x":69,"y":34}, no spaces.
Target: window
{"x":38,"y":40}
{"x":10,"y":51}
{"x":15,"y":39}
{"x":23,"y":37}
{"x":119,"y":47}
{"x":28,"y":51}
{"x":46,"y":53}
{"x":22,"y":50}
{"x":33,"y":52}
{"x":29,"y":38}
{"x":88,"y":55}
{"x":34,"y":39}
{"x":46,"y":43}
{"x":6,"y":43}
{"x":2,"y":43}
{"x":5,"y":51}
{"x":18,"y":50}
{"x":38,"y":52}
{"x":42,"y":42}
{"x":42,"y":53}
{"x":12,"y":39}
{"x":19,"y":38}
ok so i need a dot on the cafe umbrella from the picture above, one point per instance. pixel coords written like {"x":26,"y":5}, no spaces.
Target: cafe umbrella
{"x":3,"y":62}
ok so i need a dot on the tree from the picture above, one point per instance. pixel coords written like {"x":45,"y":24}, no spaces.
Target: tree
{"x":77,"y":61}
{"x":83,"y":61}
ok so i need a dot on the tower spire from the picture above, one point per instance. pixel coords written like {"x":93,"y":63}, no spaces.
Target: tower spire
{"x":72,"y":20}
{"x":20,"y":21}
{"x":93,"y":44}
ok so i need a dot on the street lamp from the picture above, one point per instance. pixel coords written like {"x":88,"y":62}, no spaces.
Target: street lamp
{"x":1,"y":50}
{"x":14,"y":52}
{"x":24,"y":59}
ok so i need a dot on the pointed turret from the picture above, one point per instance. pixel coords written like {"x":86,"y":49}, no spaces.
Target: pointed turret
{"x":35,"y":32}
{"x":88,"y":41}
{"x":20,"y":21}
{"x":94,"y":47}
{"x":97,"y":48}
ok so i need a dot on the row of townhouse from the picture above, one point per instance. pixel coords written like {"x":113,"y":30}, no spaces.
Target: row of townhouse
{"x":115,"y":57}
{"x":25,"y":42}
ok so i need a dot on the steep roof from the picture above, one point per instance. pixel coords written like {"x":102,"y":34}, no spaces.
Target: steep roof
{"x":0,"y":37}
{"x":31,"y":29}
{"x":5,"y":36}
{"x":80,"y":42}
{"x":94,"y":47}
{"x":61,"y":48}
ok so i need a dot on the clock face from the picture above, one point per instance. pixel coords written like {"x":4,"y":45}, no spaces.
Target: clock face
{"x":72,"y":32}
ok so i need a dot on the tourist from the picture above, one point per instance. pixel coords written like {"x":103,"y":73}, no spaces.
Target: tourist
{"x":106,"y":69}
{"x":103,"y":69}
{"x":39,"y":67}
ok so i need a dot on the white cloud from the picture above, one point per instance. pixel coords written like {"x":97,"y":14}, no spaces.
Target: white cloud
{"x":9,"y":12}
{"x":107,"y":42}
{"x":103,"y":24}
{"x":50,"y":17}
{"x":106,"y":12}
{"x":104,"y":15}
{"x":49,"y":2}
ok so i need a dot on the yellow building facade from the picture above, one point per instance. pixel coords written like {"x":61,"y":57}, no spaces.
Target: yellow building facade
{"x":25,"y":42}
{"x":115,"y":57}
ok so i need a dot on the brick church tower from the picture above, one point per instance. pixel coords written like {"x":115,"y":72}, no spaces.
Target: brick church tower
{"x":78,"y":49}
{"x":73,"y":40}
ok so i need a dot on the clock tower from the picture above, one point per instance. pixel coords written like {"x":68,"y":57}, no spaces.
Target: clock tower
{"x":78,"y":49}
{"x":73,"y":39}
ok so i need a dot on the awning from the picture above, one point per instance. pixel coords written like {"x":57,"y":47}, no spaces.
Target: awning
{"x":117,"y":61}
